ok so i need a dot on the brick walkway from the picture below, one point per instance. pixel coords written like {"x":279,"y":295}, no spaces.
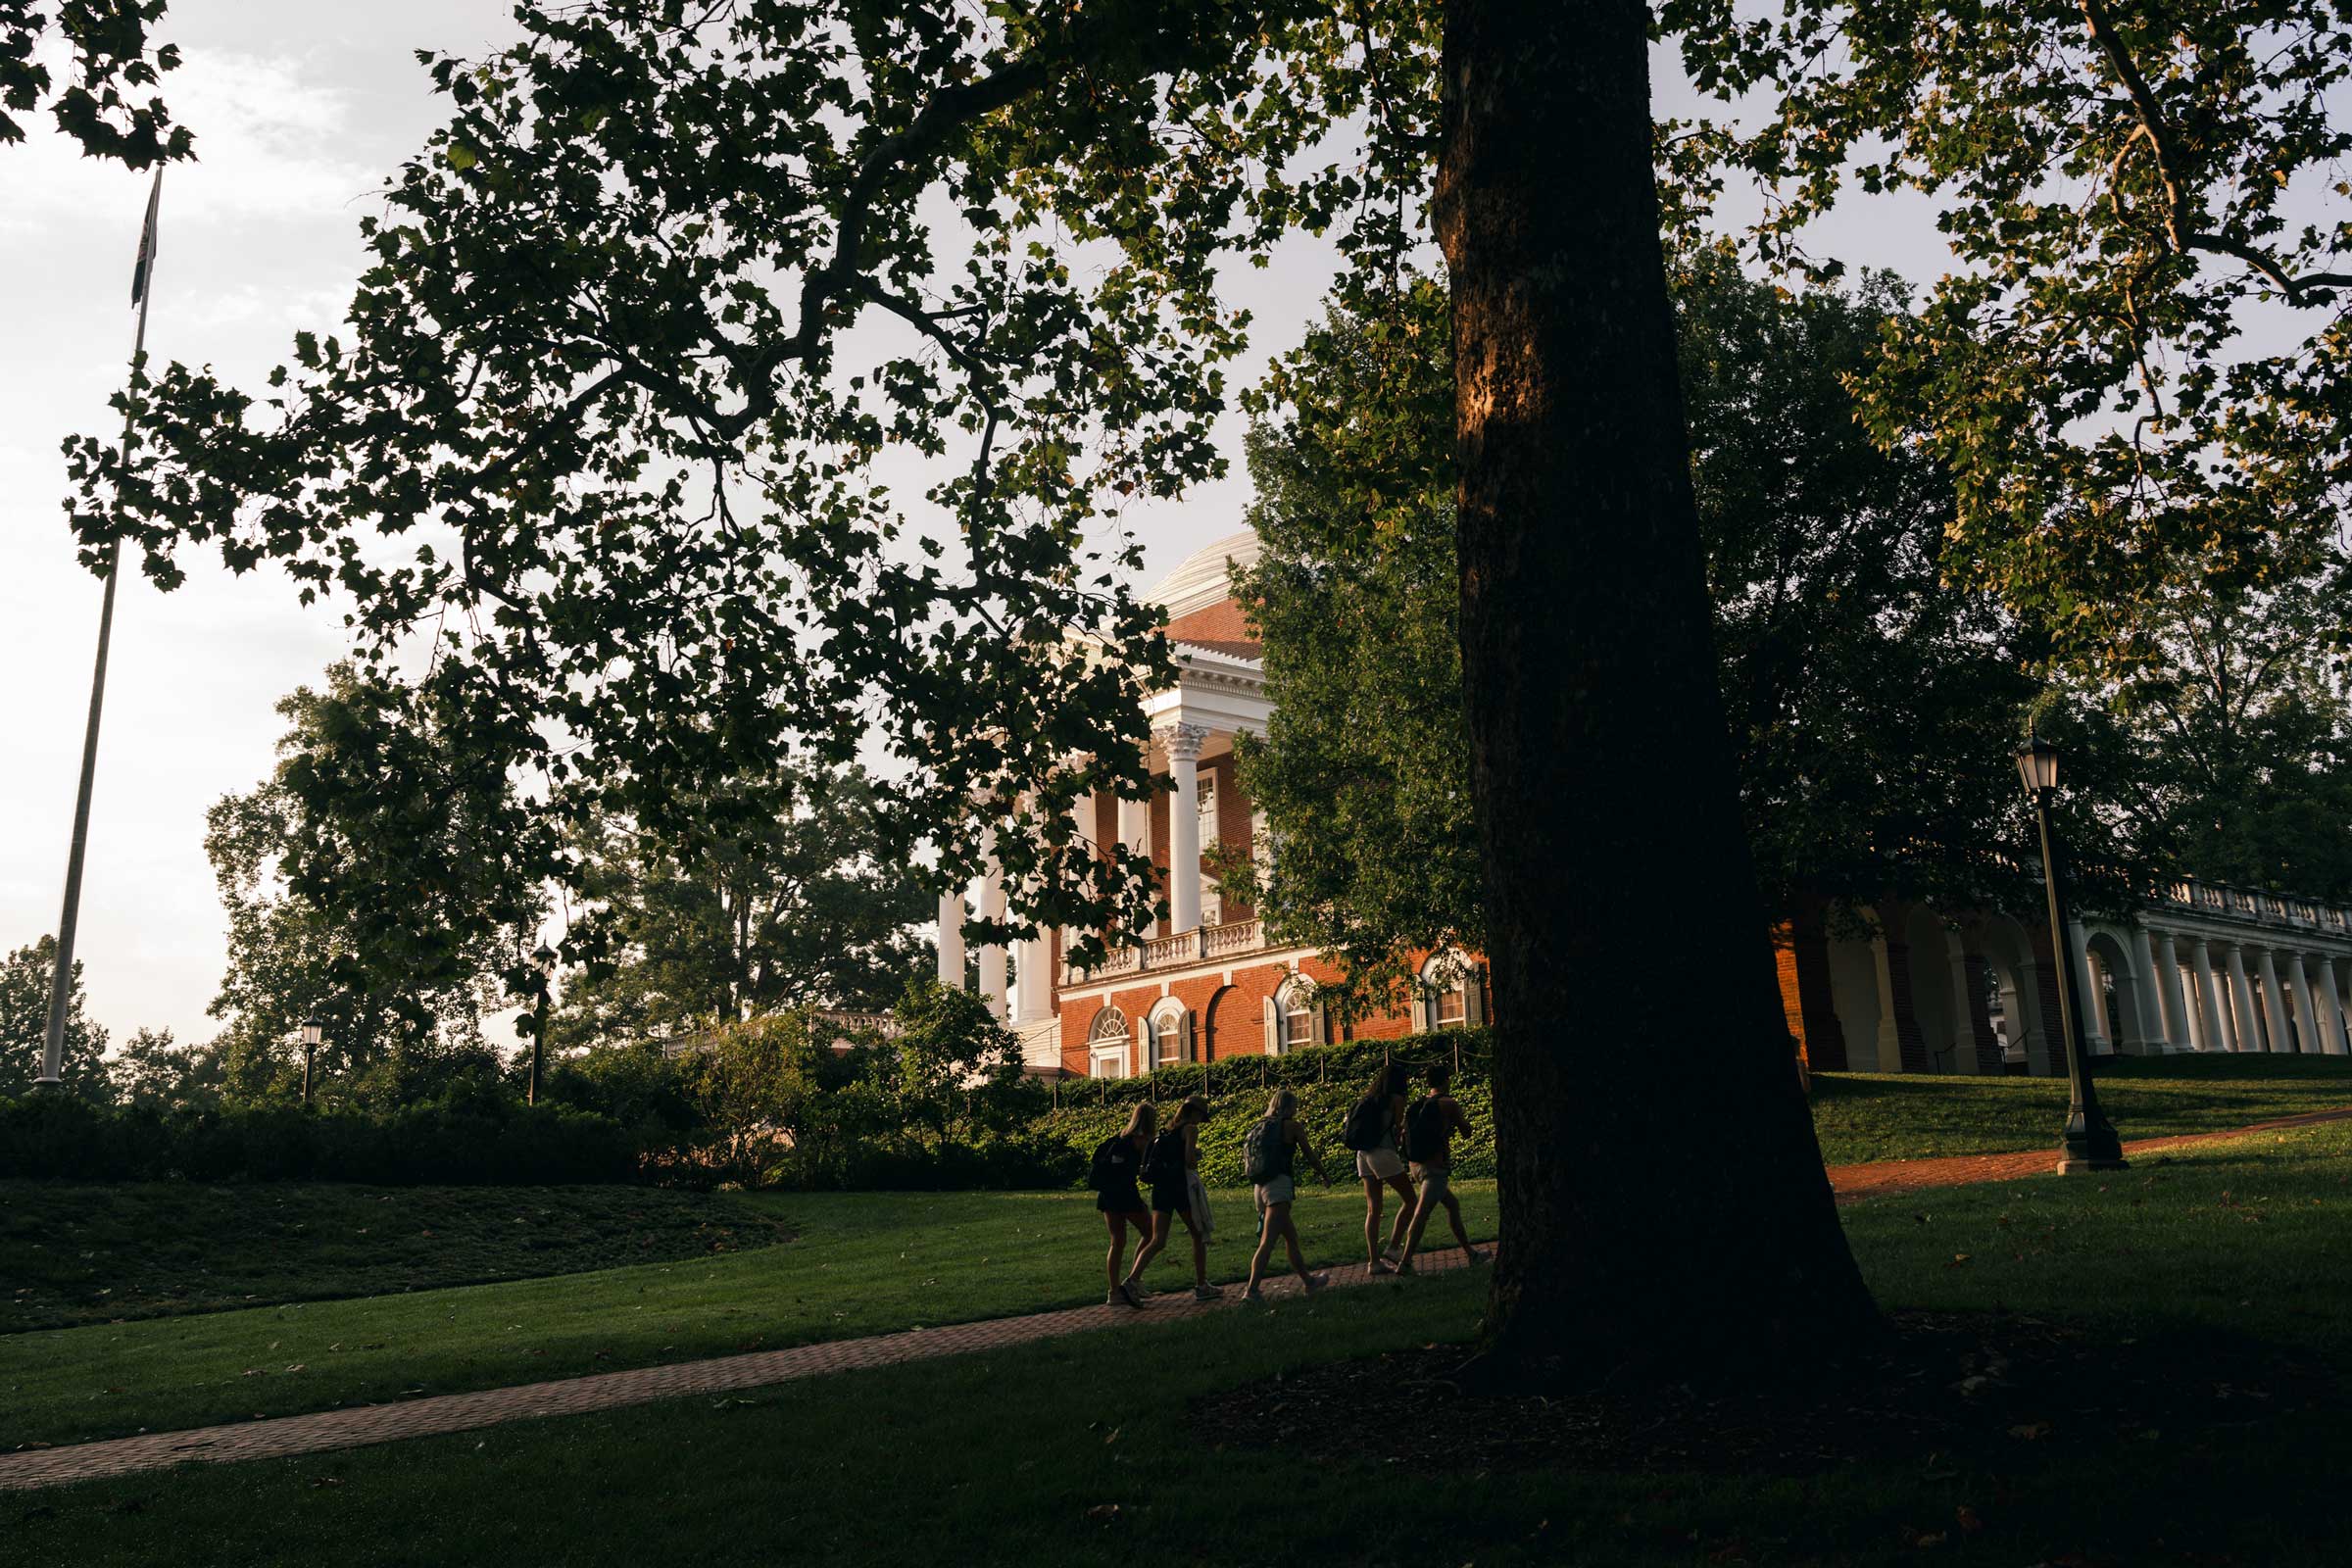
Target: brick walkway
{"x":436,"y":1414}
{"x":1854,"y":1183}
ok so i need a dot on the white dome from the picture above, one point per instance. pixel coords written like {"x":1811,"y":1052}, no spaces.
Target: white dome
{"x":1203,"y":579}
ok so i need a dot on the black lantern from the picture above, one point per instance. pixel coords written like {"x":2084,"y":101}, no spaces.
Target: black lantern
{"x":2088,"y":1143}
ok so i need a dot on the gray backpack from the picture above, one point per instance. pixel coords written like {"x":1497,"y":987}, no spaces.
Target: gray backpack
{"x":1263,"y":1151}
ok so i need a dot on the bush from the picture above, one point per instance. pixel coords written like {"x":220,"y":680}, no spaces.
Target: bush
{"x":482,"y":1140}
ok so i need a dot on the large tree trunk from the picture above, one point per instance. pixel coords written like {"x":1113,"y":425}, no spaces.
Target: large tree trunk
{"x":1664,"y":1209}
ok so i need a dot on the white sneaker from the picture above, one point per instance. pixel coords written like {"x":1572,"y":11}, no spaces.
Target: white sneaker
{"x":1207,"y":1293}
{"x":1136,"y":1292}
{"x":1379,"y":1265}
{"x":1254,"y":1297}
{"x":1315,"y":1282}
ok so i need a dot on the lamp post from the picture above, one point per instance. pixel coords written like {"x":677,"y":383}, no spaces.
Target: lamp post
{"x":311,"y":1032}
{"x":2088,"y":1143}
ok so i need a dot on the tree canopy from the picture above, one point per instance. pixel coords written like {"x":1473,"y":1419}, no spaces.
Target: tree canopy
{"x":2136,"y":368}
{"x":112,"y":60}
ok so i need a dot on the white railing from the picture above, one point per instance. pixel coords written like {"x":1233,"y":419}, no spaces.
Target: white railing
{"x":2251,"y":903}
{"x":1153,"y":954}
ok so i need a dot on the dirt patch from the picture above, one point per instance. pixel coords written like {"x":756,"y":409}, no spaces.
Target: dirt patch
{"x":1968,"y":1388}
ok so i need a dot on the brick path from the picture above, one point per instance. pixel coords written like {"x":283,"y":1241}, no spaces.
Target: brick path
{"x":1852,"y":1183}
{"x":436,"y":1414}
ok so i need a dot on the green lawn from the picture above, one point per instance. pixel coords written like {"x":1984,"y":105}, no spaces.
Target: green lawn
{"x":858,"y":1263}
{"x":1871,"y":1117}
{"x":1080,"y":1452}
{"x":99,"y":1254}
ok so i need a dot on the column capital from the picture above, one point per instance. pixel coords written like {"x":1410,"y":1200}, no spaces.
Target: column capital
{"x":1180,"y":741}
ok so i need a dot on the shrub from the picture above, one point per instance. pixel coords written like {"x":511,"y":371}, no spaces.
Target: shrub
{"x":481,"y":1140}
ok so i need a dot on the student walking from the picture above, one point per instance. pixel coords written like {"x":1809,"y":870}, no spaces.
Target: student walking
{"x":1428,"y":1130}
{"x":1177,"y":1190}
{"x":1118,"y":1159}
{"x":1268,"y":1156}
{"x":1374,"y":1129}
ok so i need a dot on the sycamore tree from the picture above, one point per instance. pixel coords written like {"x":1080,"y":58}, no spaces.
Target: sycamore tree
{"x":791,"y":898}
{"x":746,"y":379}
{"x":25,"y":979}
{"x":107,"y":100}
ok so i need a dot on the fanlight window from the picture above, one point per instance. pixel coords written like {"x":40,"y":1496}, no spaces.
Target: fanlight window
{"x":1445,"y":981}
{"x":1296,"y":1016}
{"x":1167,"y":1036}
{"x":1107,"y":1044}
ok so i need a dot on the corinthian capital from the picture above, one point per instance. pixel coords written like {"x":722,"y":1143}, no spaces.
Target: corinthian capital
{"x":1182,"y":742}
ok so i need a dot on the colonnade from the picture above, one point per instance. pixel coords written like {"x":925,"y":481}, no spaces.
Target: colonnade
{"x":2206,"y":991}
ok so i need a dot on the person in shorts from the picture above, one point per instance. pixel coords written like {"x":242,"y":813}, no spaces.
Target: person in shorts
{"x":1428,"y":1141}
{"x":1381,"y":1167}
{"x":1176,"y":1190}
{"x":1272,"y":1150}
{"x":1118,"y":1161}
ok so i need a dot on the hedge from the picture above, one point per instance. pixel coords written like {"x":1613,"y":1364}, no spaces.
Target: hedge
{"x":476,"y":1141}
{"x":1327,"y":1079}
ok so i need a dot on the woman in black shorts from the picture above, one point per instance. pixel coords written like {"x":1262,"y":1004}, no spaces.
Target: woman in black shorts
{"x":1118,"y":1164}
{"x":1176,"y":1190}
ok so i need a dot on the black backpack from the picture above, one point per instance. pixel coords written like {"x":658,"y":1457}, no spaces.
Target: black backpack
{"x":1109,"y":1167}
{"x":1424,"y":1130}
{"x":1367,"y":1124}
{"x":1165,"y":1158}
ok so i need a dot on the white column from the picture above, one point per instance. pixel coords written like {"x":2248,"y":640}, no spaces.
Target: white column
{"x":992,"y":953}
{"x":1183,"y":745}
{"x":2177,"y":1028}
{"x":2306,"y":1017}
{"x":2243,"y":1031}
{"x":2209,"y":1011}
{"x":1964,"y":1027}
{"x":2098,"y":1029}
{"x":951,"y":940}
{"x":2331,"y":1008}
{"x":2149,"y":994}
{"x":1082,"y":815}
{"x":2274,"y":1001}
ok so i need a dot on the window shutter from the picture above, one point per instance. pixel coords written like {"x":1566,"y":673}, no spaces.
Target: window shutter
{"x":1424,"y":1018}
{"x":1322,"y":1024}
{"x":1273,"y":1027}
{"x":1192,"y":1052}
{"x":1474,"y":995}
{"x":1140,"y":1042}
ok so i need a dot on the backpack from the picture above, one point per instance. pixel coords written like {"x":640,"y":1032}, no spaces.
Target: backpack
{"x":1424,"y":1130}
{"x":1109,"y":1168}
{"x":1166,"y":1157}
{"x":1263,"y":1150}
{"x":1367,"y":1124}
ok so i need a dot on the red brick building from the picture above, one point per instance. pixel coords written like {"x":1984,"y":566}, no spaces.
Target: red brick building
{"x":1206,"y":983}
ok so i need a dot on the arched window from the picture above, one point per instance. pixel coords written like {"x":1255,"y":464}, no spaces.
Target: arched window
{"x":1171,"y":1034}
{"x":1294,"y":1017}
{"x":1107,"y":1044}
{"x":1450,"y":994}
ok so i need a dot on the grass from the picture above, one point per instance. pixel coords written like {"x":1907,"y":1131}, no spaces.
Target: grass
{"x":858,"y":1263}
{"x":1862,"y":1117}
{"x":1080,"y":1450}
{"x":103,"y":1254}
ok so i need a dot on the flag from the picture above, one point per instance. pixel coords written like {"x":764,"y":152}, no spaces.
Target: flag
{"x":138,"y":275}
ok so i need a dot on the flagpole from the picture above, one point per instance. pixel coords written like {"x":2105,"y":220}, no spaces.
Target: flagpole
{"x":61,"y":979}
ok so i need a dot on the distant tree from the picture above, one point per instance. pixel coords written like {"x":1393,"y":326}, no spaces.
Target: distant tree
{"x":957,"y":1068}
{"x":342,"y":907}
{"x":111,"y":58}
{"x":790,"y":897}
{"x":25,"y":979}
{"x":152,"y":1072}
{"x":2239,"y":735}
